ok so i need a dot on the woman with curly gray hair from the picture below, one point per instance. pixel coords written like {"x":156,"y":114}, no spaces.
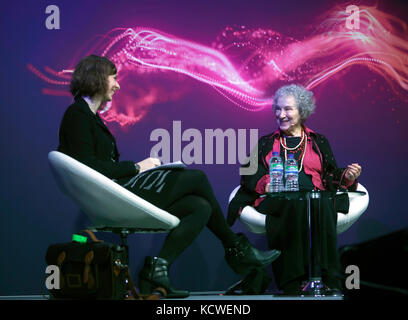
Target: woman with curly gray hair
{"x":293,"y":98}
{"x":285,"y":221}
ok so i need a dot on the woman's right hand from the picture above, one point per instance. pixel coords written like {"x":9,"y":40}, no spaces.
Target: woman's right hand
{"x":148,"y":163}
{"x":268,"y":188}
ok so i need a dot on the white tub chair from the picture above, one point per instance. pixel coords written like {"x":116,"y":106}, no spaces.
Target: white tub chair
{"x":255,"y":221}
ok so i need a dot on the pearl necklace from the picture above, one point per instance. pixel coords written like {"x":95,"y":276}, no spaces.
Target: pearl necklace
{"x":283,"y":144}
{"x":287,"y":148}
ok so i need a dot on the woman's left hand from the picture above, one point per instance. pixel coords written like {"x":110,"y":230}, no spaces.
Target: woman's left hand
{"x":148,"y":163}
{"x":353,"y":172}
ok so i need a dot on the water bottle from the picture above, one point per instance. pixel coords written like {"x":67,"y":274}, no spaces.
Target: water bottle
{"x":276,"y":173}
{"x":291,"y":173}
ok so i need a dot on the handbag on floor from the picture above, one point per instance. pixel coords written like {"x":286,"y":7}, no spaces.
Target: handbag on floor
{"x":90,"y":270}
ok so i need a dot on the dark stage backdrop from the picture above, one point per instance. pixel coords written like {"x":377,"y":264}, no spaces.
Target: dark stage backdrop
{"x":362,"y":109}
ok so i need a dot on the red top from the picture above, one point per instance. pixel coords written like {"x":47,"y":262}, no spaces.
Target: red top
{"x":312,"y":164}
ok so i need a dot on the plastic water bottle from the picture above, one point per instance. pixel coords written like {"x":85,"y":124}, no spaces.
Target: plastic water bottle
{"x":276,"y":173}
{"x":291,"y":174}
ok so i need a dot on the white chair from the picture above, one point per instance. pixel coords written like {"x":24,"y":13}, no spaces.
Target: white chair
{"x":109,"y":206}
{"x":255,"y":221}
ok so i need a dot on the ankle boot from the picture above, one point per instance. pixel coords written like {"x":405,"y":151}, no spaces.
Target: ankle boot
{"x":242,"y":257}
{"x":255,"y":282}
{"x":155,"y":274}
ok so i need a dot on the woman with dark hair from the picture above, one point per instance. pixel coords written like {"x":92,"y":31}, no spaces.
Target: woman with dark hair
{"x":285,"y":219}
{"x":184,"y":193}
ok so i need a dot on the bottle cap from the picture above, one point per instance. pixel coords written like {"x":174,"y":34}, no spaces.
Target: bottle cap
{"x":291,"y":156}
{"x":275,"y":153}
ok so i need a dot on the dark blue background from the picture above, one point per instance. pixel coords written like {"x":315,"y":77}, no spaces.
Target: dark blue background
{"x":362,"y":123}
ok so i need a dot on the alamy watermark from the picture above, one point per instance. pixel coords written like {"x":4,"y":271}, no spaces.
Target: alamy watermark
{"x":53,"y":19}
{"x":53,"y":279}
{"x":353,"y":280}
{"x":230,"y":144}
{"x":353,"y":21}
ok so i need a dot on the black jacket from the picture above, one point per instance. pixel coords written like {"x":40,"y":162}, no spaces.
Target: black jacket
{"x":83,"y":136}
{"x":331,"y":174}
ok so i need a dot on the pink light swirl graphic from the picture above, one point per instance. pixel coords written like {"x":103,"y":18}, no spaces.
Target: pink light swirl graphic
{"x":243,"y":64}
{"x":150,"y":49}
{"x":380,"y":42}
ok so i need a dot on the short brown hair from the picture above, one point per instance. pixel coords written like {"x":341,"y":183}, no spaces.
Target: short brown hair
{"x":90,"y":76}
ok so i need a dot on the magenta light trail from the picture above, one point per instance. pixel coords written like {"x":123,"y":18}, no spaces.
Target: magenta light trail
{"x":243,"y":64}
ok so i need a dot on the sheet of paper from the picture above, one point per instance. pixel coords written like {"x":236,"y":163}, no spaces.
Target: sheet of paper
{"x":170,"y":165}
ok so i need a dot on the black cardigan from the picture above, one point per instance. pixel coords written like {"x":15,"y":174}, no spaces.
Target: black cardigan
{"x":332,"y":176}
{"x":83,"y":136}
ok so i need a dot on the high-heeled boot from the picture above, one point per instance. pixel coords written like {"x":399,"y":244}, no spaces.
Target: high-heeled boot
{"x":242,"y":257}
{"x":155,"y":274}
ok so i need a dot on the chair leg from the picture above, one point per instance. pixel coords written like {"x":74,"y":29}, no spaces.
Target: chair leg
{"x":123,"y":235}
{"x":131,"y":287}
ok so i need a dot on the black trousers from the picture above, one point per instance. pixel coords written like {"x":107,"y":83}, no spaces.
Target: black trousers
{"x":287,"y":230}
{"x":188,"y":195}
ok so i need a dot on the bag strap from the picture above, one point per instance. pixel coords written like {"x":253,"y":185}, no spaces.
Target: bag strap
{"x":131,"y":287}
{"x":131,"y":284}
{"x":87,"y":275}
{"x":91,"y":235}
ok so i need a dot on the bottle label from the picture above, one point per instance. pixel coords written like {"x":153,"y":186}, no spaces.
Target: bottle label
{"x":277,"y":167}
{"x":291,"y":169}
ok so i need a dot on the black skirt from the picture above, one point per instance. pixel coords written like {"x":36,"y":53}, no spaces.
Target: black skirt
{"x":155,"y":186}
{"x":287,"y":230}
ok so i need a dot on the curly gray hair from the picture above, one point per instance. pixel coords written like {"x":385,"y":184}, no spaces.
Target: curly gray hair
{"x":304,"y":99}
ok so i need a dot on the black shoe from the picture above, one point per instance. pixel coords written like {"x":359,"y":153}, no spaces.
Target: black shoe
{"x":242,"y":257}
{"x":293,"y":288}
{"x":154,"y":277}
{"x":255,"y":282}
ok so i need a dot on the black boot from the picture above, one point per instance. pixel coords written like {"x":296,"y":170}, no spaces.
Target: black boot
{"x":255,"y":282}
{"x":242,"y":257}
{"x":155,"y":274}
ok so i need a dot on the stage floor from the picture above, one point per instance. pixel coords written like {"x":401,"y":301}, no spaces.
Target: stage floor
{"x":203,"y":295}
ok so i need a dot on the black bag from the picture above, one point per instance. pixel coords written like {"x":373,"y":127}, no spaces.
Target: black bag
{"x":94,"y":270}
